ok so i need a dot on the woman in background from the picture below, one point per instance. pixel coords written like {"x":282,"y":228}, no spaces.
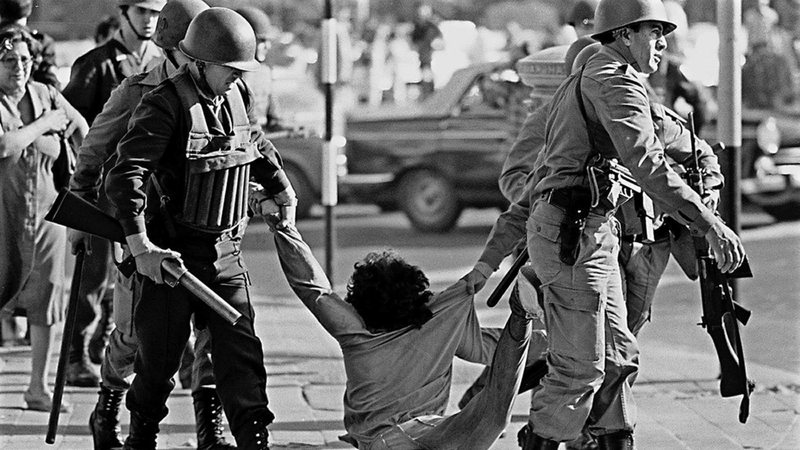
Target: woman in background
{"x":34,"y":121}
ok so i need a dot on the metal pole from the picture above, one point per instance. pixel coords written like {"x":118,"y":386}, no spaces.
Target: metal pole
{"x":329,"y":175}
{"x":729,"y":117}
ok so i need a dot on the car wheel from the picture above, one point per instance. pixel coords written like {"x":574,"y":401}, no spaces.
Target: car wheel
{"x":429,"y":201}
{"x":302,"y":187}
{"x":786,"y":211}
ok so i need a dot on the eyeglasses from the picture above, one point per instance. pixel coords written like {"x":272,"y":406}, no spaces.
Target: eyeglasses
{"x":12,"y":62}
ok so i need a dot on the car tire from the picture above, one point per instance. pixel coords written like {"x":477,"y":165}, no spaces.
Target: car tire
{"x":429,"y":201}
{"x":784,"y":212}
{"x":302,"y":188}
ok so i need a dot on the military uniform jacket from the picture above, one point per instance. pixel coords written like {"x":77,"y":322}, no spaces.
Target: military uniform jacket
{"x":99,"y":71}
{"x":156,"y":143}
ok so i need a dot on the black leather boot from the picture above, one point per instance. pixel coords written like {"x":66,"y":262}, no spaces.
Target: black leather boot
{"x":208,"y":415}
{"x":104,"y":420}
{"x":255,"y":435}
{"x":620,"y":440}
{"x":143,"y":432}
{"x":529,"y":440}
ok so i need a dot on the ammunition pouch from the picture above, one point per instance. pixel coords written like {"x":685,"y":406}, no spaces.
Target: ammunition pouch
{"x":218,"y":158}
{"x":217,"y":190}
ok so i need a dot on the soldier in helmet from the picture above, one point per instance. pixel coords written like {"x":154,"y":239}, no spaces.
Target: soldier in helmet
{"x":97,"y":149}
{"x":603,"y":110}
{"x":94,"y":75}
{"x":581,"y":17}
{"x":260,"y":81}
{"x":641,"y":263}
{"x":193,"y":138}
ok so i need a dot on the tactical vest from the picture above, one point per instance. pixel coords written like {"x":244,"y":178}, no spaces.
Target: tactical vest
{"x":217,"y":166}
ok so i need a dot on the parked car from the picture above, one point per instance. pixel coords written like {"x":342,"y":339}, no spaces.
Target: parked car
{"x":771,"y":162}
{"x":434,"y":158}
{"x":302,"y":161}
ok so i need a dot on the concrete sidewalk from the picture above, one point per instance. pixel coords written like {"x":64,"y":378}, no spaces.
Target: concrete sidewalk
{"x":677,"y":395}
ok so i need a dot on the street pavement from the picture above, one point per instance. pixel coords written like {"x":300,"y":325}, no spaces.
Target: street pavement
{"x":677,"y":394}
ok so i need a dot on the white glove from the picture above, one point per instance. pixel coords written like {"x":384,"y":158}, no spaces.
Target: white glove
{"x":149,"y":256}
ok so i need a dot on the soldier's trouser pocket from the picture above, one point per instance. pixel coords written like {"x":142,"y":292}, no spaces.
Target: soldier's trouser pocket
{"x":574,"y":322}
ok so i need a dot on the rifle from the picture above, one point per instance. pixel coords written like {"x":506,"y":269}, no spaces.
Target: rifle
{"x":66,"y":339}
{"x":600,"y":167}
{"x":720,"y":311}
{"x":508,"y":278}
{"x":76,"y":213}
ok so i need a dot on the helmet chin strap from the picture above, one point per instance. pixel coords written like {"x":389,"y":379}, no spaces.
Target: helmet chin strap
{"x":203,"y":84}
{"x":135,"y":31}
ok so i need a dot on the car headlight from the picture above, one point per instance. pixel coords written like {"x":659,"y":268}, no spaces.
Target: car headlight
{"x":768,"y":136}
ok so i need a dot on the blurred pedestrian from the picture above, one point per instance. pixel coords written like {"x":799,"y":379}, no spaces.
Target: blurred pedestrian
{"x":423,"y":36}
{"x":36,"y":122}
{"x":94,"y":75}
{"x":195,"y":128}
{"x":670,"y":86}
{"x":44,"y":64}
{"x":105,"y":29}
{"x":260,"y":81}
{"x":581,"y":17}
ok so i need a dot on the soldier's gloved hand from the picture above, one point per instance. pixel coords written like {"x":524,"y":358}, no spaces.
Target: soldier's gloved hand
{"x":476,"y":278}
{"x":77,"y":238}
{"x":727,"y":247}
{"x":711,"y":199}
{"x":149,"y":256}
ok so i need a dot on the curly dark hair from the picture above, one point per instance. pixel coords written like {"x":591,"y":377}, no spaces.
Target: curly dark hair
{"x":12,"y":33}
{"x":389,"y":293}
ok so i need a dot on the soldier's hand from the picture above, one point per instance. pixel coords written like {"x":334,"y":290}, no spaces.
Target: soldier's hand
{"x":149,"y":256}
{"x":727,"y":247}
{"x":475,"y":281}
{"x":711,"y":199}
{"x":77,"y":238}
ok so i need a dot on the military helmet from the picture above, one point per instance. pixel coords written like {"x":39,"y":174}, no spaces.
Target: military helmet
{"x":582,"y":12}
{"x":221,"y":36}
{"x":583,"y":56}
{"x":173,"y":21}
{"x":613,"y":14}
{"x":155,"y":5}
{"x":259,"y":20}
{"x":574,"y":50}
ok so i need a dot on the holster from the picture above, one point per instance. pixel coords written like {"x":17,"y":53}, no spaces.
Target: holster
{"x":576,"y":204}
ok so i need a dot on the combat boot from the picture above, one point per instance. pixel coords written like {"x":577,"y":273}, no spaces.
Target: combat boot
{"x":104,"y":420}
{"x":528,"y":440}
{"x":255,"y":434}
{"x":99,"y":339}
{"x":208,"y":416}
{"x":143,"y":432}
{"x":619,"y":440}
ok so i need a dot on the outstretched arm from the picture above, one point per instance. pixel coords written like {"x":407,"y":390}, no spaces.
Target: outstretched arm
{"x":308,"y":281}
